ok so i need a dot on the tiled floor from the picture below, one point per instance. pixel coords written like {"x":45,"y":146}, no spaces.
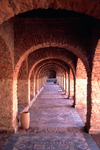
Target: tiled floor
{"x":54,"y":125}
{"x":52,"y":141}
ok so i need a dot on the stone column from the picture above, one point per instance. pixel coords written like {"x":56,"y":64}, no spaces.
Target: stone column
{"x":71,"y":85}
{"x":8,"y":105}
{"x":93,"y":102}
{"x":66,"y":82}
{"x":22,"y":88}
{"x":81,"y":85}
{"x":31,"y":88}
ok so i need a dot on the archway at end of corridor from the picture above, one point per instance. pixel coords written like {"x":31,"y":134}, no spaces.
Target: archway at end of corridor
{"x":51,"y":74}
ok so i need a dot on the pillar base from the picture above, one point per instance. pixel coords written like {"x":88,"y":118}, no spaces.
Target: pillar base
{"x":71,"y":97}
{"x":12,"y":130}
{"x":94,"y":131}
{"x":91,"y":130}
{"x":80,"y":106}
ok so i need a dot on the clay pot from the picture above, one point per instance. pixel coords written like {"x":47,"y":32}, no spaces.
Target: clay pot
{"x":25,"y":119}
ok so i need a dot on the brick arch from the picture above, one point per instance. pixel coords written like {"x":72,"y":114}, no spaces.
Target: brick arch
{"x":41,"y":60}
{"x":20,"y":85}
{"x":37,"y":65}
{"x":12,"y":8}
{"x":48,"y":66}
{"x":36,"y":72}
{"x":54,"y":62}
{"x":58,"y":70}
{"x":55,"y":67}
{"x":46,"y":45}
{"x":49,"y":44}
{"x":43,"y":70}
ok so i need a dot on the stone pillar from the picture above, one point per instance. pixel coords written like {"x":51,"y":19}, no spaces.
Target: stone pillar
{"x":71,"y":85}
{"x":31,"y":88}
{"x":66,"y":82}
{"x":93,"y":114}
{"x":81,"y":85}
{"x":37,"y":84}
{"x":59,"y":80}
{"x":8,"y":106}
{"x":62,"y":82}
{"x":22,"y":88}
{"x":40,"y":83}
{"x":57,"y":77}
{"x":34,"y":88}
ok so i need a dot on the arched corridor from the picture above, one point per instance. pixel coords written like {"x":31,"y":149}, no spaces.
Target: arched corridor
{"x":54,"y":124}
{"x":41,"y":39}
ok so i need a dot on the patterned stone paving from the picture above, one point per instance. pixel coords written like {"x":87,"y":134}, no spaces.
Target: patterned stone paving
{"x":52,"y":110}
{"x":54,"y":125}
{"x":51,"y":142}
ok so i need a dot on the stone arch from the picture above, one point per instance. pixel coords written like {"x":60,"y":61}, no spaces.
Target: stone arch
{"x":46,"y":67}
{"x":12,"y":8}
{"x":48,"y":59}
{"x":31,"y":85}
{"x":49,"y":44}
{"x":31,"y":82}
{"x":46,"y":45}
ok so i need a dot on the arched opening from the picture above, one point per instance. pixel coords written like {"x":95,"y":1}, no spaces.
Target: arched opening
{"x":59,"y":33}
{"x":51,"y":74}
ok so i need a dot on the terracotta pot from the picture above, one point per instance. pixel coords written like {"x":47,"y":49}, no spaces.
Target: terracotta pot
{"x":25,"y":119}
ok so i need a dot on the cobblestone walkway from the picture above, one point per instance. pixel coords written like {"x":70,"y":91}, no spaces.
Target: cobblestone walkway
{"x":54,"y":125}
